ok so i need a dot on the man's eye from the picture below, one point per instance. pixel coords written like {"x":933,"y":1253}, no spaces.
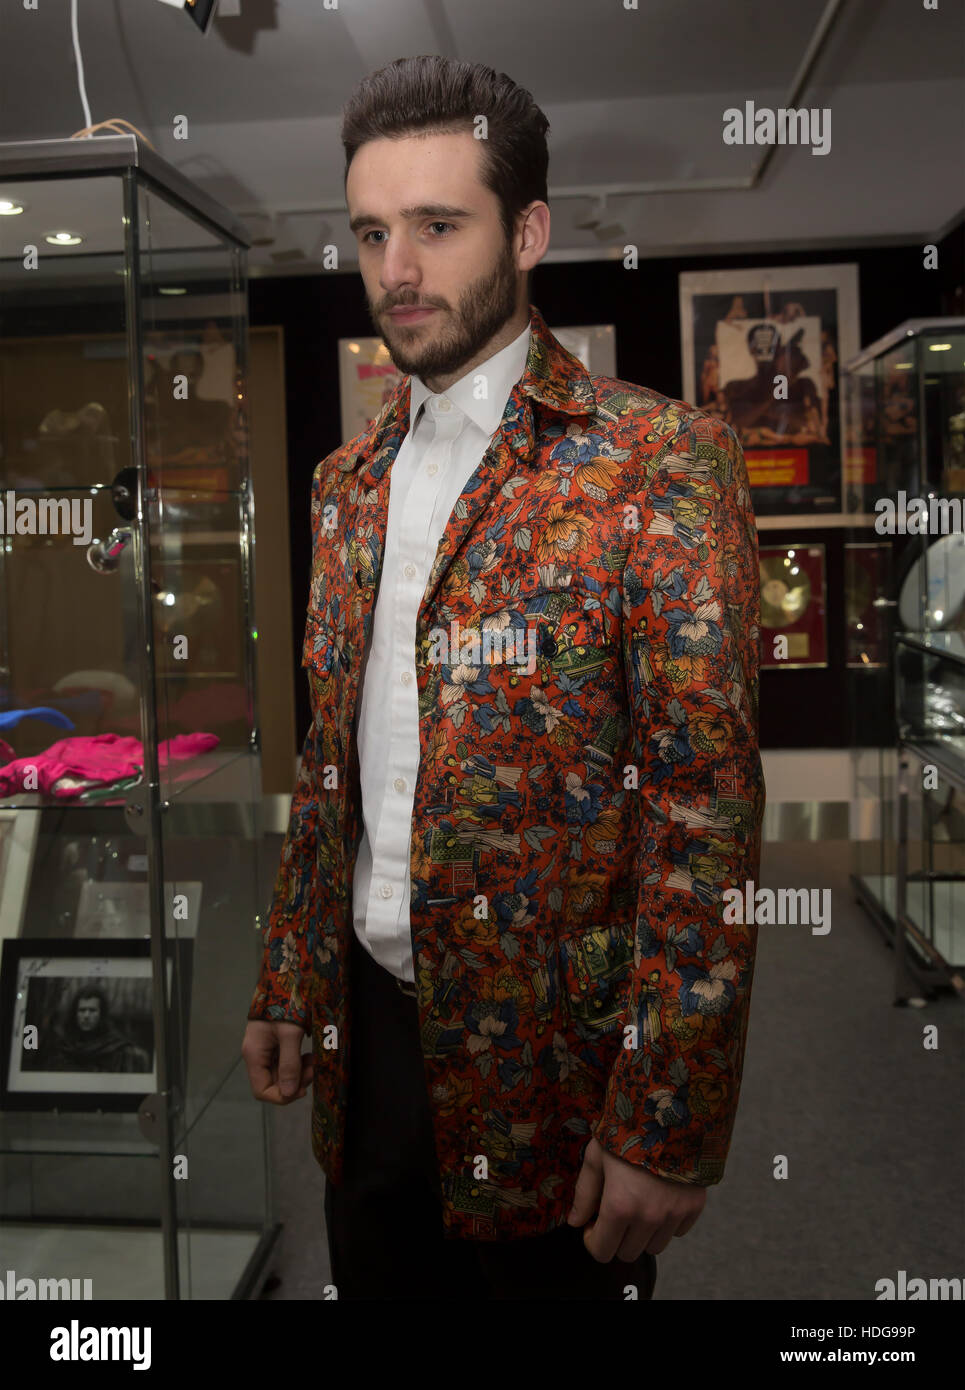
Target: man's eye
{"x":446,"y":226}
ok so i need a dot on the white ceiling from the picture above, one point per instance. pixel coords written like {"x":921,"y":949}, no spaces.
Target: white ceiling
{"x":632,"y":96}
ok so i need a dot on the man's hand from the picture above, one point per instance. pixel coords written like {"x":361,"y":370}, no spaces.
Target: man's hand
{"x":278,"y":1071}
{"x":636,"y":1212}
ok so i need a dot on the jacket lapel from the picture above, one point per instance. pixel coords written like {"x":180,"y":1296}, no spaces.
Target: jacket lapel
{"x":552,"y":376}
{"x":510,"y":450}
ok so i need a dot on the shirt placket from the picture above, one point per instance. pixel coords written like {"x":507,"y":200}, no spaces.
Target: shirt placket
{"x":390,"y":877}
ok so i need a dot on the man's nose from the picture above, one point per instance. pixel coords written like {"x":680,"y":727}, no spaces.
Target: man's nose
{"x":400,"y":266}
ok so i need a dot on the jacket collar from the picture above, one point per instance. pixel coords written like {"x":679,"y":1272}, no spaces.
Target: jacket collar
{"x":552,"y":376}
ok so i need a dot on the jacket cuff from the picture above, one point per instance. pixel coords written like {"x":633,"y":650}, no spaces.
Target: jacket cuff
{"x":279,"y":995}
{"x":658,"y":1134}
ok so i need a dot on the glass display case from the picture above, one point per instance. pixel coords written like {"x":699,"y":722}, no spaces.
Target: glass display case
{"x":904,"y":574}
{"x":930,"y":851}
{"x":131,"y":856}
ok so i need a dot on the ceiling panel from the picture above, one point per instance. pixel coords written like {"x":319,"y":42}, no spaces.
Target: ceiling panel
{"x":632,"y":96}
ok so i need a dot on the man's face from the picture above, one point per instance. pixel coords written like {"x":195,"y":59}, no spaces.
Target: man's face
{"x":431,"y":237}
{"x":88,"y":1014}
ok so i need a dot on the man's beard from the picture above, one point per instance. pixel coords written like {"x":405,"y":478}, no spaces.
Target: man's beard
{"x":483,"y":308}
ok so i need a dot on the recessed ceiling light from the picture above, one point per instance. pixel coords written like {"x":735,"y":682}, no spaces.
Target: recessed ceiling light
{"x":9,"y":207}
{"x":939,"y":347}
{"x":64,"y":239}
{"x":172,"y":289}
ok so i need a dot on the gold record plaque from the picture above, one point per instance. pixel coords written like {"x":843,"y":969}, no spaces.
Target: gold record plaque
{"x":793,"y":616}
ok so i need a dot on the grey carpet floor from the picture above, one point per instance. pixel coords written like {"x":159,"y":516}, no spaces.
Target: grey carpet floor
{"x":836,"y":1080}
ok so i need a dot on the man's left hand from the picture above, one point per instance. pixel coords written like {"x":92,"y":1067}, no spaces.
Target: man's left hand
{"x":635,"y":1210}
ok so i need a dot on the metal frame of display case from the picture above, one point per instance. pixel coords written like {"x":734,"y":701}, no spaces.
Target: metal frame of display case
{"x":138,"y":168}
{"x":911,"y":751}
{"x":105,"y":154}
{"x":909,"y":329}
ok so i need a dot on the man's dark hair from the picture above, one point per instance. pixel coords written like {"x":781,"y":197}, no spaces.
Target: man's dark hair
{"x":445,"y":95}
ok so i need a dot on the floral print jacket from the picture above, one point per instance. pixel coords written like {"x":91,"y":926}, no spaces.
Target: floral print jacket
{"x":577,"y":816}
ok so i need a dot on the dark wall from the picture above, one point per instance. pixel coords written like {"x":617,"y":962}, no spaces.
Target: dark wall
{"x":798,"y":708}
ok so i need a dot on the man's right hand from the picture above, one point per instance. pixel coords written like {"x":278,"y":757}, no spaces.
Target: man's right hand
{"x":278,"y":1070}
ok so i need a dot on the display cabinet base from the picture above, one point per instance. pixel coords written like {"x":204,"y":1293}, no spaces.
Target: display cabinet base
{"x":125,"y":1262}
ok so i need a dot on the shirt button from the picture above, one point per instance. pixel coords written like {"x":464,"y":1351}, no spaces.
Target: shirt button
{"x":406,"y":678}
{"x":432,"y":469}
{"x":444,"y":404}
{"x":409,"y":571}
{"x":399,"y":784}
{"x":386,"y":890}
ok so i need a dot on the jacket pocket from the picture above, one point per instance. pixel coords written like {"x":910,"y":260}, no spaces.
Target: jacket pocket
{"x":596,"y":967}
{"x":560,"y":632}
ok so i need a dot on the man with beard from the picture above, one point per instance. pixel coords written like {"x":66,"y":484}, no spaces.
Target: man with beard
{"x":527,"y":1012}
{"x":91,"y":1041}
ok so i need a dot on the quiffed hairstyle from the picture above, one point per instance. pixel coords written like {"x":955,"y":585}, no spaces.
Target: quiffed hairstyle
{"x":445,"y":95}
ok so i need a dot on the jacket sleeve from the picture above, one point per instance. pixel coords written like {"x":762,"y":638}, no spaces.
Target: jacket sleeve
{"x":282,"y":993}
{"x":691,"y":644}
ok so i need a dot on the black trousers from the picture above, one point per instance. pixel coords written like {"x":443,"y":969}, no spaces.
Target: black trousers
{"x":384,"y":1220}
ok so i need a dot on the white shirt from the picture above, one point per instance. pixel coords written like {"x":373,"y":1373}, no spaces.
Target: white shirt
{"x":448,"y":435}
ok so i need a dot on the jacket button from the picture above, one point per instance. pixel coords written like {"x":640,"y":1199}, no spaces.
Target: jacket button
{"x":344,"y":659}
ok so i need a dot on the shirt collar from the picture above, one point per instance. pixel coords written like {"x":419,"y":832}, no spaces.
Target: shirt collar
{"x":502,"y":371}
{"x":552,"y":376}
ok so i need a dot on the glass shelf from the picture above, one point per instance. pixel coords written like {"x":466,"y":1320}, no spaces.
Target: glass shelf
{"x":210,"y":777}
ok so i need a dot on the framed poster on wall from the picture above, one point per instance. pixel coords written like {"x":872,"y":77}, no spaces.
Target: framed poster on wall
{"x":761,"y":350}
{"x":77,"y":1028}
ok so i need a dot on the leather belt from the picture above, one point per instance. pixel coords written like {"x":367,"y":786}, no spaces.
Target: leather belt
{"x":406,"y":988}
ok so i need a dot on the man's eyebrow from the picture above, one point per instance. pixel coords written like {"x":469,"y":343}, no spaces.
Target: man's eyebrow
{"x":438,"y":210}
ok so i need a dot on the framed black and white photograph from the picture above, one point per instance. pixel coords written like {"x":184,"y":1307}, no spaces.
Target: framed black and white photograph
{"x":762,"y":349}
{"x":78,"y":1022}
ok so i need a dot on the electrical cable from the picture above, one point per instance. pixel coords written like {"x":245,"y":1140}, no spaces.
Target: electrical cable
{"x":115,"y":122}
{"x":79,"y":62}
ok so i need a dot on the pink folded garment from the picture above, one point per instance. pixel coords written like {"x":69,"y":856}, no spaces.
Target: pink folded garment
{"x":84,"y":762}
